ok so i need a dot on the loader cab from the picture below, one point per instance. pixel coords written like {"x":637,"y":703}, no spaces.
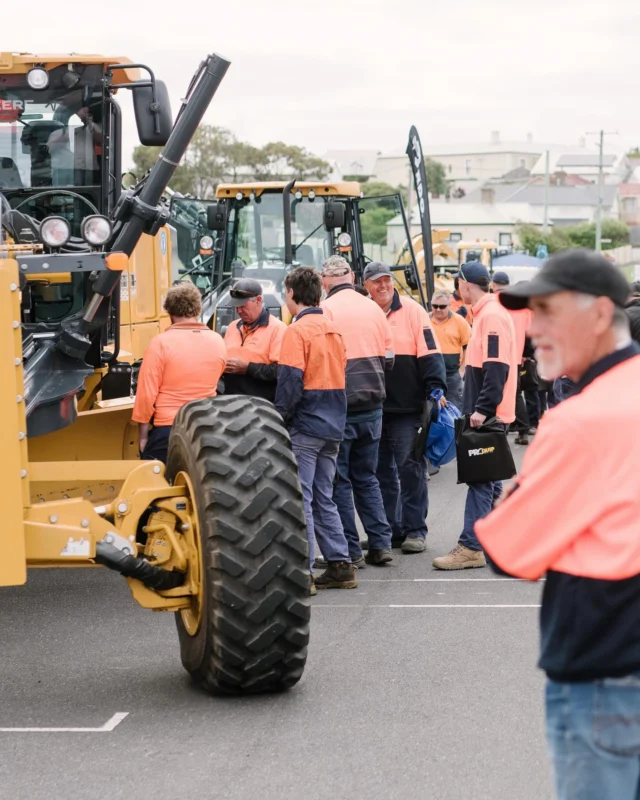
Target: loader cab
{"x":267,"y":229}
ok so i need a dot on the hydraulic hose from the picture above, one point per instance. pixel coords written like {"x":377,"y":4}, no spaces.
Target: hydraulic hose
{"x":133,"y":567}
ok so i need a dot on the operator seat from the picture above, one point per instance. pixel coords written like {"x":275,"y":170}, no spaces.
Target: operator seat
{"x":9,"y":174}
{"x":304,"y":255}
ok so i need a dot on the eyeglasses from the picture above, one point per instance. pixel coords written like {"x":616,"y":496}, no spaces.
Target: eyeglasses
{"x":440,"y":308}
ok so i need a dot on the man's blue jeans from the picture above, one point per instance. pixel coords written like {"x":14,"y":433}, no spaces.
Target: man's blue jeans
{"x":402,"y":479}
{"x":481,"y":498}
{"x":317,"y":468}
{"x":357,"y":481}
{"x":593,"y":732}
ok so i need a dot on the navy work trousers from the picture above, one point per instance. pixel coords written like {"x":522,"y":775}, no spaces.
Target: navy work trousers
{"x":357,"y":482}
{"x":402,"y":479}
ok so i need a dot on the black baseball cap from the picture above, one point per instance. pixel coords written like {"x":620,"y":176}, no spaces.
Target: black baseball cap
{"x":500,"y":278}
{"x":243,"y":290}
{"x":474,"y":272}
{"x":376,"y":270}
{"x":574,"y":271}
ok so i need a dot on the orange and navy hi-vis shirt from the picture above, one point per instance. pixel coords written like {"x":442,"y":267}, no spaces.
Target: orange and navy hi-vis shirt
{"x":311,"y":395}
{"x":418,"y":368}
{"x":258,"y":344}
{"x":181,"y":364}
{"x":453,"y":336}
{"x":367,"y":339}
{"x":521,"y":321}
{"x":491,"y":369}
{"x":574,"y":516}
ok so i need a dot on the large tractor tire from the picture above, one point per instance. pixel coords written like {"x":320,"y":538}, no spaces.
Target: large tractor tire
{"x":252,"y":627}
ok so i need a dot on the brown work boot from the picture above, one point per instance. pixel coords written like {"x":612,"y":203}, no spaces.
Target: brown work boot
{"x":461,"y":557}
{"x":338,"y":575}
{"x":521,"y":438}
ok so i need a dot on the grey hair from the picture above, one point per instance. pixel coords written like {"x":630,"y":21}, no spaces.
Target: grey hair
{"x":619,"y":321}
{"x":441,"y":293}
{"x":336,"y":261}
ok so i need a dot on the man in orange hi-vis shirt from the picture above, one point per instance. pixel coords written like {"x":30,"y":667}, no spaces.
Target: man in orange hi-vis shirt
{"x":181,"y":364}
{"x":490,"y":378}
{"x":573,"y":516}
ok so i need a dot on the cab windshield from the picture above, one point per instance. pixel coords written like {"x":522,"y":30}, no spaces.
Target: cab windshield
{"x":257,"y":231}
{"x":51,"y":138}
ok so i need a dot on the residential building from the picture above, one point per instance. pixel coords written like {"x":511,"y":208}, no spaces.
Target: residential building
{"x":629,"y":197}
{"x":566,"y":205}
{"x":467,"y":165}
{"x":479,"y":221}
{"x":356,"y":164}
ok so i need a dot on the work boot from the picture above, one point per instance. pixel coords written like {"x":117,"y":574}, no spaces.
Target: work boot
{"x":378,"y":557}
{"x":320,"y":563}
{"x":364,"y":544}
{"x":461,"y":557}
{"x":414,"y":544}
{"x":312,"y":587}
{"x":359,"y":563}
{"x":338,"y":575}
{"x":521,"y":438}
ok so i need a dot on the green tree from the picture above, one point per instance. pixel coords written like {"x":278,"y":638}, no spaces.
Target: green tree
{"x":215,"y":155}
{"x":437,"y":182}
{"x":634,"y":153}
{"x":278,"y":161}
{"x":562,"y":238}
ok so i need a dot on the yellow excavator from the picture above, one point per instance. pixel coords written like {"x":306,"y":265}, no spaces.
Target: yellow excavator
{"x":216,"y":538}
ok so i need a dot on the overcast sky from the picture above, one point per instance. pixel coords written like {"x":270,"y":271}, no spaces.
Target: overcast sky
{"x":355,"y":74}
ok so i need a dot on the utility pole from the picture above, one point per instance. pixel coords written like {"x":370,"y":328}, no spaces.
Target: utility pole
{"x":545,"y":228}
{"x":601,"y":134}
{"x":599,"y":206}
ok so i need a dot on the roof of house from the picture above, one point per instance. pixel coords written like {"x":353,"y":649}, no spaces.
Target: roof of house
{"x":480,"y":148}
{"x":445,"y":214}
{"x":629,"y":189}
{"x":580,"y":159}
{"x":534,"y":194}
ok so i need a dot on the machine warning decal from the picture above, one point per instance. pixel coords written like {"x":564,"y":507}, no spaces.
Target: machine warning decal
{"x":163,"y":242}
{"x":79,"y":548}
{"x":124,"y":287}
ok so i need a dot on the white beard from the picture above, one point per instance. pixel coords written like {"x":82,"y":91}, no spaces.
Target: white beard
{"x":550,"y":364}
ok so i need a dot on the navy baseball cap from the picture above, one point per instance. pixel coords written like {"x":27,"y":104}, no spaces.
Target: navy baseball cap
{"x":244,"y":290}
{"x":474,"y":272}
{"x":501,"y":278}
{"x":579,"y":270}
{"x":376,"y":270}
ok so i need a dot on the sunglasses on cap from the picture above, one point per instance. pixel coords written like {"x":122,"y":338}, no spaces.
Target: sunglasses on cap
{"x":440,"y":308}
{"x":239,"y":294}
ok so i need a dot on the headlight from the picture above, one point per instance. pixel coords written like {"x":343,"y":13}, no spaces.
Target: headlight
{"x":298,"y":195}
{"x":344,"y":240}
{"x":38,"y":78}
{"x":55,"y":231}
{"x":311,"y":195}
{"x":206,"y":243}
{"x":96,"y":230}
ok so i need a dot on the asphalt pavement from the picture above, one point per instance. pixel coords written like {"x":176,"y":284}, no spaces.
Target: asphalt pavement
{"x":419,"y":684}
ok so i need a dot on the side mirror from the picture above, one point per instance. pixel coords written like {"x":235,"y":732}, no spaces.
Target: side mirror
{"x":217,"y":216}
{"x":334,"y":215}
{"x":154,"y":121}
{"x":237,"y":269}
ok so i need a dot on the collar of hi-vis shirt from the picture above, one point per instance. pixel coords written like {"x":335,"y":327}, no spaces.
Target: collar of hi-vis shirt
{"x":262,"y":321}
{"x":608,"y":362}
{"x":396,"y":303}
{"x":483,"y":301}
{"x":186,"y":325}
{"x":339,"y":288}
{"x":305,"y":311}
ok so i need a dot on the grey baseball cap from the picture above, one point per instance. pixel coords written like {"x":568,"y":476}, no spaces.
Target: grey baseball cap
{"x":243,"y":290}
{"x":376,"y":270}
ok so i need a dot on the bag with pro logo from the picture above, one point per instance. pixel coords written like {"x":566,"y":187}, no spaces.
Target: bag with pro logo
{"x":483,"y":453}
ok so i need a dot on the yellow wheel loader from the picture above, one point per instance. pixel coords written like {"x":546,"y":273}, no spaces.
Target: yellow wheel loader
{"x":218,"y":537}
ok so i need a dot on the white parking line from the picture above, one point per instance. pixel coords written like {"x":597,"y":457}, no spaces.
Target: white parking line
{"x":112,"y":723}
{"x":444,"y":580}
{"x":427,"y":605}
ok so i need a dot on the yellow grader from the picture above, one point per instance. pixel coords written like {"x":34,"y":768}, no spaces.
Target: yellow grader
{"x":218,"y":537}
